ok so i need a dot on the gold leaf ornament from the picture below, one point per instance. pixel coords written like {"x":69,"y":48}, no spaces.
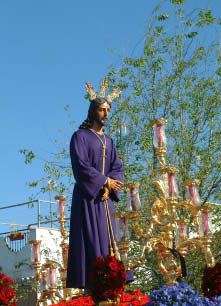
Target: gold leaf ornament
{"x":104,"y":84}
{"x":115,"y":94}
{"x":91,"y":91}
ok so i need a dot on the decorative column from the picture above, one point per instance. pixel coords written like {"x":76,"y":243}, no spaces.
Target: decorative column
{"x":61,"y":213}
{"x":36,"y":262}
{"x":192,"y":191}
{"x":159,"y":138}
{"x":133,"y":198}
{"x":52,"y":280}
{"x":122,"y":235}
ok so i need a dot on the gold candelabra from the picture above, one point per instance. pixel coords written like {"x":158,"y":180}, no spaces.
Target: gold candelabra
{"x":167,"y":233}
{"x":50,"y":285}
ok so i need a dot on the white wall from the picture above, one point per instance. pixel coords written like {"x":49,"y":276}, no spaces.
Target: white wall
{"x":50,"y":248}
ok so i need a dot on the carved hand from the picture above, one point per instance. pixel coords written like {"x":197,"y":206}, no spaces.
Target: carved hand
{"x":105,"y":196}
{"x":115,"y":184}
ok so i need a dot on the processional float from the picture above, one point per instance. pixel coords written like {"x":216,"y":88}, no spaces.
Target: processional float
{"x":166,"y":234}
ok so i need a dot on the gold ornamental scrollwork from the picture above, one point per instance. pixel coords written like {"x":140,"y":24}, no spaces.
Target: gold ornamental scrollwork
{"x":162,"y":121}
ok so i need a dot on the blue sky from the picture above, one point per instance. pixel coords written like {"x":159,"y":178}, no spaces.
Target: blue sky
{"x":49,"y":48}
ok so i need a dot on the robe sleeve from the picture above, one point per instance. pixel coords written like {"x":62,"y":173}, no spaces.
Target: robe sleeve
{"x":116,"y":172}
{"x":87,"y":177}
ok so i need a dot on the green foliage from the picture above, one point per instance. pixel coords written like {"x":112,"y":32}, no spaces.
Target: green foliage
{"x":196,"y":263}
{"x":163,"y":17}
{"x":171,"y":79}
{"x":206,"y":17}
{"x":23,"y":263}
{"x":192,"y":34}
{"x":178,"y":1}
{"x":147,"y":276}
{"x":29,"y":155}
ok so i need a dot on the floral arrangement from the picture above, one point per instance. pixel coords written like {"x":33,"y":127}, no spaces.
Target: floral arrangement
{"x":7,"y":294}
{"x":107,"y":278}
{"x":211,"y":281}
{"x":180,"y":294}
{"x":136,"y":299}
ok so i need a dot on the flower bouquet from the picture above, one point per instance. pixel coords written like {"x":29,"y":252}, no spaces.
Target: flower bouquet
{"x":211,"y":282}
{"x":107,"y":278}
{"x":7,"y":294}
{"x":180,"y":294}
{"x":16,"y":236}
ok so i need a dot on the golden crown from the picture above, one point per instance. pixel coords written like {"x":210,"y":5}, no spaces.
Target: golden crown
{"x":104,"y":84}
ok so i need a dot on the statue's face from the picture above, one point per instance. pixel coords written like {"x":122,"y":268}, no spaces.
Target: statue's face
{"x":102,"y":113}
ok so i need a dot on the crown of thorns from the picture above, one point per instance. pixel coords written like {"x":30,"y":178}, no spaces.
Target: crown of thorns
{"x":104,"y":84}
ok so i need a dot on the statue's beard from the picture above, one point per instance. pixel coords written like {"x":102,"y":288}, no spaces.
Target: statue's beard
{"x":102,"y":122}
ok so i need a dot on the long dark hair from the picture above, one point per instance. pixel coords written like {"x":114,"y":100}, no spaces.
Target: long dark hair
{"x":87,"y":123}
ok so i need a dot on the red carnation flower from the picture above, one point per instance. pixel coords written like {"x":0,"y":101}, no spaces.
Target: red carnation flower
{"x":211,"y":281}
{"x":106,"y":278}
{"x":7,"y":293}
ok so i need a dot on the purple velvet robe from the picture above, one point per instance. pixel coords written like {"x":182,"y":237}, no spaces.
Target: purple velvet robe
{"x":88,"y":227}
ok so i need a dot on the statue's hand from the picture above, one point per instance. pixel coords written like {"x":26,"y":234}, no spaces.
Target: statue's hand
{"x":106,"y":193}
{"x":115,"y":184}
